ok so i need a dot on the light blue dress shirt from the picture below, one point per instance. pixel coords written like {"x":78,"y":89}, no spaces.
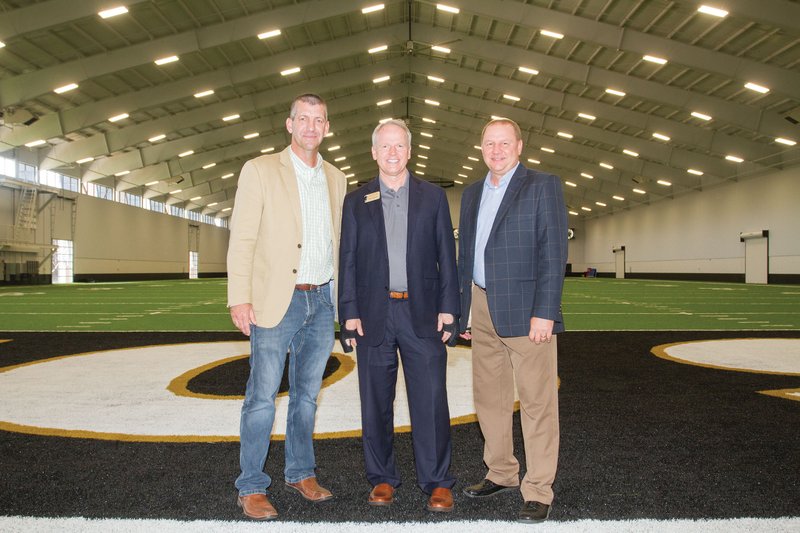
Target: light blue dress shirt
{"x":490,"y":203}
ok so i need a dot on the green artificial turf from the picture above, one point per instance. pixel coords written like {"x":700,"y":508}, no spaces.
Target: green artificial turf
{"x":589,"y":304}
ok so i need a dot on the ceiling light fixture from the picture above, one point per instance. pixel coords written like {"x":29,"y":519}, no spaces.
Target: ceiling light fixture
{"x":226,"y":176}
{"x":655,"y":59}
{"x":85,"y":160}
{"x":381,"y":79}
{"x":251,"y":135}
{"x":113,"y":12}
{"x":618,"y":198}
{"x":601,"y":204}
{"x":268,"y":149}
{"x":117,"y":118}
{"x":587,"y":175}
{"x":534,"y":161}
{"x":441,"y":49}
{"x":448,"y":9}
{"x":787,"y":142}
{"x":586,"y":116}
{"x":268,"y":34}
{"x":436,"y":79}
{"x":201,"y":94}
{"x":230,"y":117}
{"x":608,"y":166}
{"x":665,"y":183}
{"x":37,"y":142}
{"x":151,"y":183}
{"x":157,"y":138}
{"x":701,"y":116}
{"x":458,"y":182}
{"x":661,"y":136}
{"x":424,"y":146}
{"x":639,"y":191}
{"x":428,"y":120}
{"x":334,"y":148}
{"x":372,"y":9}
{"x":630,"y":153}
{"x":426,"y":134}
{"x":694,"y":171}
{"x":615,"y":92}
{"x":186,"y":153}
{"x":564,"y":134}
{"x":734,"y":158}
{"x":756,"y":87}
{"x":570,"y":184}
{"x":431,"y":102}
{"x":377,"y":49}
{"x":553,"y":34}
{"x":384,"y":102}
{"x":65,"y":88}
{"x":511,"y":97}
{"x":527,"y":70}
{"x":290,"y":71}
{"x":165,"y":60}
{"x":548,"y":150}
{"x":715,"y":11}
{"x":209,"y":165}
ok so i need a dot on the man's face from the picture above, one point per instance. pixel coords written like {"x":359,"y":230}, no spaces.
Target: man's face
{"x":308,"y":127}
{"x":391,"y":151}
{"x":501,"y":148}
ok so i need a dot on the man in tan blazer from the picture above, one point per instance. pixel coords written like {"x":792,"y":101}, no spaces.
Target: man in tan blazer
{"x":282,"y":259}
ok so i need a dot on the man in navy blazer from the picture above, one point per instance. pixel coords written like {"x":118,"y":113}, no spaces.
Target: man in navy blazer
{"x":512,"y":257}
{"x":398,"y":290}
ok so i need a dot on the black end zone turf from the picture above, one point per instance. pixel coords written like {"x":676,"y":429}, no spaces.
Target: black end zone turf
{"x":641,"y":437}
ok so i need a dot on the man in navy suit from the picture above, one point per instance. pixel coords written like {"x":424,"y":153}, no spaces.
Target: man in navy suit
{"x":398,"y":290}
{"x":512,"y":256}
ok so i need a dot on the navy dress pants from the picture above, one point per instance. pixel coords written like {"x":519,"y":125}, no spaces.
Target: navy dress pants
{"x":425,"y":368}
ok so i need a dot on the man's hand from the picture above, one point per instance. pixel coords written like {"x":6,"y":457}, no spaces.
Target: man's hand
{"x":353,"y":324}
{"x":447,"y":332}
{"x":242,"y":316}
{"x":541,"y":330}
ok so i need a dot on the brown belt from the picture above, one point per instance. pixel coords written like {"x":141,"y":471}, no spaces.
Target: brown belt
{"x":306,"y":286}
{"x":394,"y":295}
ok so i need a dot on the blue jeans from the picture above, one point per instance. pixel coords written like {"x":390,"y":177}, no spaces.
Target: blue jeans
{"x":306,"y":332}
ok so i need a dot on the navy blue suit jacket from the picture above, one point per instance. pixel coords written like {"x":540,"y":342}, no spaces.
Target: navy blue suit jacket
{"x":430,"y":260}
{"x":525,"y":256}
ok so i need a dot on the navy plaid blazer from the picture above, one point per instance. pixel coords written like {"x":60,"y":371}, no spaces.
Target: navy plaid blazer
{"x":525,"y":257}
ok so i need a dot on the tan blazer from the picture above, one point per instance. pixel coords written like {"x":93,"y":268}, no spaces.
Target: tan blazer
{"x":267,"y":231}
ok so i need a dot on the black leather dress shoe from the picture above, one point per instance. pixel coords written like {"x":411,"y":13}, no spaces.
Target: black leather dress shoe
{"x":485,"y":488}
{"x":533,"y":513}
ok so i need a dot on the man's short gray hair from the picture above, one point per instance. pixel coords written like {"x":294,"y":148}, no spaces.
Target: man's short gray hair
{"x":394,"y":122}
{"x":308,"y":98}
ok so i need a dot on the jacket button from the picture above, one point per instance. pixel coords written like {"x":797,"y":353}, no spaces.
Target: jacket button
{"x":294,"y":271}
{"x":299,"y":245}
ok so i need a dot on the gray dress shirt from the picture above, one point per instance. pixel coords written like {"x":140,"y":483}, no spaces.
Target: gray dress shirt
{"x":395,"y":219}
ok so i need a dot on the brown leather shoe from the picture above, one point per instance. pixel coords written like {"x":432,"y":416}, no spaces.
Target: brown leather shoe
{"x":441,"y":500}
{"x":310,"y":490}
{"x":381,"y":494}
{"x":257,"y":506}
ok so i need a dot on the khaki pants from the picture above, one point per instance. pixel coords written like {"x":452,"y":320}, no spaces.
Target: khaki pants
{"x":496,"y":363}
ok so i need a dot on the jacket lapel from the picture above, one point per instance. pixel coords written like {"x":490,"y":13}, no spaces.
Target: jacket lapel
{"x":514,"y":186}
{"x":289,"y":180}
{"x":414,"y":203}
{"x":375,"y":209}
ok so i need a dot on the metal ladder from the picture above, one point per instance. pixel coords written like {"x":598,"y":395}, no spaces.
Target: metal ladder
{"x":27,"y":212}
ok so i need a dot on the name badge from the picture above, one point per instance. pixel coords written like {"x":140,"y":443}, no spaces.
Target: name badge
{"x":372,"y":197}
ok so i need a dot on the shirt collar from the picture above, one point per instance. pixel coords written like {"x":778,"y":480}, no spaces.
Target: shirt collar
{"x":387,"y":190}
{"x":297,"y":161}
{"x":487,"y":183}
